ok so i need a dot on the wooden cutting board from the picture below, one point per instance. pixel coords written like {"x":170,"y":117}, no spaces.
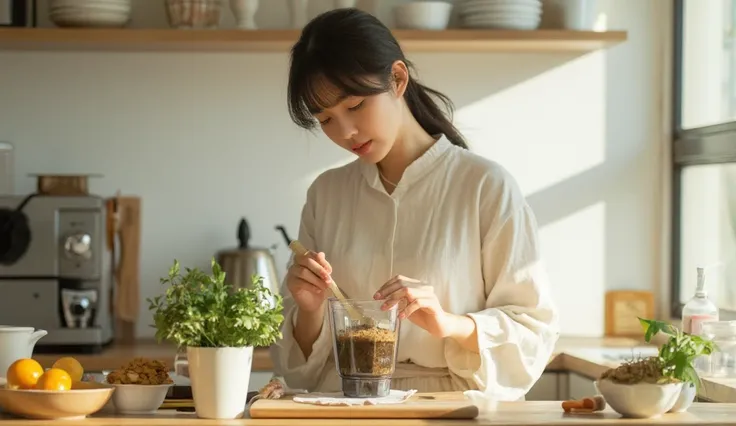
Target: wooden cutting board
{"x":445,"y":405}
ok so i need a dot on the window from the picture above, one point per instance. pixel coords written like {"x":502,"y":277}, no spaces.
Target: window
{"x":704,"y":198}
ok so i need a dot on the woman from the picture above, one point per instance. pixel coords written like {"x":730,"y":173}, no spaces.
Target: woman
{"x":416,"y":220}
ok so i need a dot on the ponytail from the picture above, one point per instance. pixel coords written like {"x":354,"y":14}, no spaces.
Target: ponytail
{"x":432,"y":119}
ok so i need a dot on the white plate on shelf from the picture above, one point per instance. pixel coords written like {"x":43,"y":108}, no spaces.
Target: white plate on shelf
{"x":511,"y":2}
{"x":493,"y":4}
{"x":77,"y":9}
{"x":91,"y":19}
{"x":87,"y":3}
{"x":482,"y":9}
{"x":502,"y":24}
{"x":503,"y":16}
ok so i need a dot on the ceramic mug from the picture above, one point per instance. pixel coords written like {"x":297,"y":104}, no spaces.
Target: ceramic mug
{"x":17,"y":343}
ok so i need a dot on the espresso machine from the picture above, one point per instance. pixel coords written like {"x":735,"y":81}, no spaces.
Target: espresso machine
{"x":55,"y":270}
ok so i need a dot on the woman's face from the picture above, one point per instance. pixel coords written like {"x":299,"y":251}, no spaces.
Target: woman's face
{"x":366,"y":126}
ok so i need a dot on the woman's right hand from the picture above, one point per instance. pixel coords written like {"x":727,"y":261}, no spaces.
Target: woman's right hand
{"x":307,"y":279}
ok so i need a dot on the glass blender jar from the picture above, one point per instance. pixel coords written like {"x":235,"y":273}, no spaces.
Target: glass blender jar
{"x":365,"y":349}
{"x":722,"y":362}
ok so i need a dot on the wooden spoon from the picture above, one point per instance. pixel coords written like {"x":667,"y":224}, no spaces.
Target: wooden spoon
{"x":298,"y":249}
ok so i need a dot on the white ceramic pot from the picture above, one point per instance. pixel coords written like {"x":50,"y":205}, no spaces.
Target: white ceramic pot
{"x":220,"y":378}
{"x":341,"y":4}
{"x":17,"y":343}
{"x":686,"y":398}
{"x":641,"y":400}
{"x":580,"y":15}
{"x":298,"y":13}
{"x":245,"y":13}
{"x":429,"y":15}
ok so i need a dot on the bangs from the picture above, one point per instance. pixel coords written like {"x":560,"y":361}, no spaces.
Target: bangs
{"x":313,"y":89}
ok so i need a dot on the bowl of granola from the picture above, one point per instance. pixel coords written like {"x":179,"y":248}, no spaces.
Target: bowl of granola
{"x":140,"y":386}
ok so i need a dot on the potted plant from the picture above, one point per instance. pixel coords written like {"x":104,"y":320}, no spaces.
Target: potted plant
{"x":678,"y":355}
{"x":219,"y":326}
{"x":649,"y":387}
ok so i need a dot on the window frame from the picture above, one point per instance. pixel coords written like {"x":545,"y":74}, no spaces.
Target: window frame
{"x":714,"y":144}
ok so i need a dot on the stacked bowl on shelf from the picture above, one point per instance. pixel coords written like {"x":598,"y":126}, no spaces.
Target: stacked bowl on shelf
{"x":501,"y":14}
{"x":90,"y":13}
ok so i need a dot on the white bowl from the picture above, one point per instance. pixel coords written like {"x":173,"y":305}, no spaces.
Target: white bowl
{"x":484,"y":9}
{"x":685,"y":400}
{"x":503,"y":24}
{"x":642,"y":400}
{"x":90,"y":13}
{"x":139,"y":399}
{"x":423,"y":15}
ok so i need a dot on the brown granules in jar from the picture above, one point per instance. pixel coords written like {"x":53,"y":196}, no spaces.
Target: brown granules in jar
{"x":140,"y":371}
{"x":366,"y":351}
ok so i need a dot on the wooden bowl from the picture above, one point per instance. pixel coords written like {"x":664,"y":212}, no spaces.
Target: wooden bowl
{"x":83,"y":399}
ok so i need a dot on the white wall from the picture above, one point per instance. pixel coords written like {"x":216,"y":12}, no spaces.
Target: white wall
{"x":206,"y":138}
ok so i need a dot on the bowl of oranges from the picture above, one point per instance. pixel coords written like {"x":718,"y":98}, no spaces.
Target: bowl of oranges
{"x":56,"y":393}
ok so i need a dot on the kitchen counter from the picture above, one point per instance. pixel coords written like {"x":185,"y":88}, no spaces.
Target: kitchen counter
{"x":588,"y":357}
{"x":508,"y":413}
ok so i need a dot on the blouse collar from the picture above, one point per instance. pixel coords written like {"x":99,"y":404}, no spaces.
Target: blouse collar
{"x":416,"y":170}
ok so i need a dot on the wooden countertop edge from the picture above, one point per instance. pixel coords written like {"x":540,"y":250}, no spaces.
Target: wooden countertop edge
{"x":506,"y":414}
{"x":569,"y":358}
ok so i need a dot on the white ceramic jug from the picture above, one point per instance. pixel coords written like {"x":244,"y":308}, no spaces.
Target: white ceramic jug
{"x":17,"y":343}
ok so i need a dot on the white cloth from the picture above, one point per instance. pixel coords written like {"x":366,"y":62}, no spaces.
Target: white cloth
{"x":337,"y":398}
{"x":457,"y":222}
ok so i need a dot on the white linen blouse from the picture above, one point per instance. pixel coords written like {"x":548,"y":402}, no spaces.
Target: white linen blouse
{"x":456,"y":221}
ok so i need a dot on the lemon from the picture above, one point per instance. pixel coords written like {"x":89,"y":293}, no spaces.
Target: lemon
{"x":71,"y":366}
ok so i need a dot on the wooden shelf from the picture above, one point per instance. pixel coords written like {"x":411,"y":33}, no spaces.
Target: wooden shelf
{"x":281,"y":40}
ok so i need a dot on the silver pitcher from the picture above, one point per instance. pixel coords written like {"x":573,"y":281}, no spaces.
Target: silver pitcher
{"x":241,"y":263}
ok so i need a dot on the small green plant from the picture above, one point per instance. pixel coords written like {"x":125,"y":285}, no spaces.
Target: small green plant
{"x":678,"y":353}
{"x":202,"y":310}
{"x":673,"y":363}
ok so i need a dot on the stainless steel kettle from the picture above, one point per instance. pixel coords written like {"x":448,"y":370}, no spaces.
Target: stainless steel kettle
{"x":241,"y":263}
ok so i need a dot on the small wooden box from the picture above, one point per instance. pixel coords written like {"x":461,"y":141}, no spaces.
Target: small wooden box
{"x":623,"y":307}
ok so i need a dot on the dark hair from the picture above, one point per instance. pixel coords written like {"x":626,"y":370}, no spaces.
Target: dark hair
{"x":350,"y":49}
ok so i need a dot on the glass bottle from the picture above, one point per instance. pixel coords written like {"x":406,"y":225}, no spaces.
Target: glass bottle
{"x":699,"y":308}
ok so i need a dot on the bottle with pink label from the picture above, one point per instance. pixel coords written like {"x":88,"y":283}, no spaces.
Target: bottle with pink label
{"x":699,"y":309}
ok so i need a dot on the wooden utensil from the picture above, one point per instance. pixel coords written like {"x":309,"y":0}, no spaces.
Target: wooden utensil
{"x":124,"y":225}
{"x":298,"y":249}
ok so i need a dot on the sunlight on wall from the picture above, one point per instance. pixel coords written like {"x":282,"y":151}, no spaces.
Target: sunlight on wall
{"x":539,"y":129}
{"x":545,"y":134}
{"x":574,"y":253}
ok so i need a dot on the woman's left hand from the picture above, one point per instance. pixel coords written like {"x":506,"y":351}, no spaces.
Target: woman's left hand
{"x":417,"y":302}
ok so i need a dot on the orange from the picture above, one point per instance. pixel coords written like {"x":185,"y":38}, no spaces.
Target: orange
{"x":54,"y":379}
{"x":23,"y":374}
{"x":71,"y":366}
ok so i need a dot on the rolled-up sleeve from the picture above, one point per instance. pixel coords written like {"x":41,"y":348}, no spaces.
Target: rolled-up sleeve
{"x":288,"y":359}
{"x":518,"y":328}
